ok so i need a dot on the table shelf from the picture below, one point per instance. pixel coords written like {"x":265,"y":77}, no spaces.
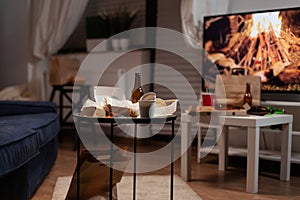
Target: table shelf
{"x":263,"y":154}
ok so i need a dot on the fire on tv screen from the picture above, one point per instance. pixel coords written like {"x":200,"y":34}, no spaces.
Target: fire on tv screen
{"x":261,"y":43}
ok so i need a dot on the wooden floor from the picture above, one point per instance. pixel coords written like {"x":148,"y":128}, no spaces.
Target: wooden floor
{"x":207,"y":181}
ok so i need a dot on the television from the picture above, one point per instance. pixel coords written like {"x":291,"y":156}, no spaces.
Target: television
{"x":263,"y":43}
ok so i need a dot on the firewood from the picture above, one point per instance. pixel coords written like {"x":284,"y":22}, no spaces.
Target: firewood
{"x":271,"y":54}
{"x":234,"y":39}
{"x":262,"y":75}
{"x":264,"y":59}
{"x":251,"y":52}
{"x":258,"y":57}
{"x":284,"y":53}
{"x":215,"y":57}
{"x":290,"y":76}
{"x":262,"y":39}
{"x":226,"y":62}
{"x":278,"y":68}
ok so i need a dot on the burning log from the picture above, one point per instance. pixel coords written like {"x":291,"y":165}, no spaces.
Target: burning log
{"x":215,"y":56}
{"x":251,"y":52}
{"x":278,"y":68}
{"x":262,"y":76}
{"x":283,"y":54}
{"x":291,"y":43}
{"x":290,"y":76}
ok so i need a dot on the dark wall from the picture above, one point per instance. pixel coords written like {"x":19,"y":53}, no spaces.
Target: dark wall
{"x":77,"y":40}
{"x":13,"y":42}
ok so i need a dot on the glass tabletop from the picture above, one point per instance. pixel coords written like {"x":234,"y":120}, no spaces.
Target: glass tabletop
{"x":127,"y":120}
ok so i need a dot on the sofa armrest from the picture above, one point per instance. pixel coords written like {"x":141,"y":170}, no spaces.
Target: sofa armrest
{"x":26,"y":107}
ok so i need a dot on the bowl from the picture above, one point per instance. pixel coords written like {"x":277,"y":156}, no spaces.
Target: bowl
{"x":148,"y":96}
{"x":169,"y":109}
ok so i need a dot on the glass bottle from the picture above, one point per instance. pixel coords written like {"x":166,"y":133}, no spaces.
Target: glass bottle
{"x":137,"y":91}
{"x":248,"y":95}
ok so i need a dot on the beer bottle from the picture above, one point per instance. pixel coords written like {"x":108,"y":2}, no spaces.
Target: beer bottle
{"x":248,"y":95}
{"x":137,"y":91}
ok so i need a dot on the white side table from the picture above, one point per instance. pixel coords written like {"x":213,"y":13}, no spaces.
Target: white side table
{"x":253,"y":124}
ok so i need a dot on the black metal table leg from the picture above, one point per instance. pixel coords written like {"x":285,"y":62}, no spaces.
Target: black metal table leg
{"x":134,"y":160}
{"x":172,"y":160}
{"x":111,"y":160}
{"x":78,"y":165}
{"x":52,"y":93}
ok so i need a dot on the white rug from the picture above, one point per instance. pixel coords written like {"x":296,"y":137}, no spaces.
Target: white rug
{"x":148,"y":187}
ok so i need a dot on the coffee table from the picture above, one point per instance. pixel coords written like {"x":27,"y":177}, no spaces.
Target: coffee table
{"x":115,"y":121}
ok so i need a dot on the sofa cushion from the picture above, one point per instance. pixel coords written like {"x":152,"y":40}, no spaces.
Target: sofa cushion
{"x":26,"y":107}
{"x":46,"y":125}
{"x":17,"y":147}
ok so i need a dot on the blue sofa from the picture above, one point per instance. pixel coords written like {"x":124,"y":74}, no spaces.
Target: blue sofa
{"x":28,"y":146}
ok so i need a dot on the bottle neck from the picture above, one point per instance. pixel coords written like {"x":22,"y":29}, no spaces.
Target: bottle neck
{"x":247,"y":88}
{"x":137,"y":81}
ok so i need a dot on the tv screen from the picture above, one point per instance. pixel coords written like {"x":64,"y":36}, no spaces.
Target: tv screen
{"x":260,"y":43}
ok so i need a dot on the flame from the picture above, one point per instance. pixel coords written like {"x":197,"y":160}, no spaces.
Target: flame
{"x":263,"y":22}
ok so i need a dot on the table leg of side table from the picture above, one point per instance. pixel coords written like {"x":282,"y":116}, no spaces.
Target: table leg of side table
{"x":286,"y":148}
{"x":199,"y":143}
{"x":223,"y":147}
{"x":252,"y":160}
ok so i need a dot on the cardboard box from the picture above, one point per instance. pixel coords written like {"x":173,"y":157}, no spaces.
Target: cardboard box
{"x":94,"y":175}
{"x":63,"y":70}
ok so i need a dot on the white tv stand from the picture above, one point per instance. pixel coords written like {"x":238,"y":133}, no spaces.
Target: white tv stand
{"x":295,"y":156}
{"x":280,"y":103}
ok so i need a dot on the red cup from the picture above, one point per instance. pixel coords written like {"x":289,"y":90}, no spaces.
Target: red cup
{"x":207,"y":99}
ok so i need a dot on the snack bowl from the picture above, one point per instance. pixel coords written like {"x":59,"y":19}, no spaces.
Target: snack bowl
{"x":169,"y":109}
{"x":110,"y":93}
{"x":120,"y":111}
{"x":148,"y":96}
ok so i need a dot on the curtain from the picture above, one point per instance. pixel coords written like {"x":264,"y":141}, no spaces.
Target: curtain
{"x":51,"y":23}
{"x":192,"y":13}
{"x":187,"y":22}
